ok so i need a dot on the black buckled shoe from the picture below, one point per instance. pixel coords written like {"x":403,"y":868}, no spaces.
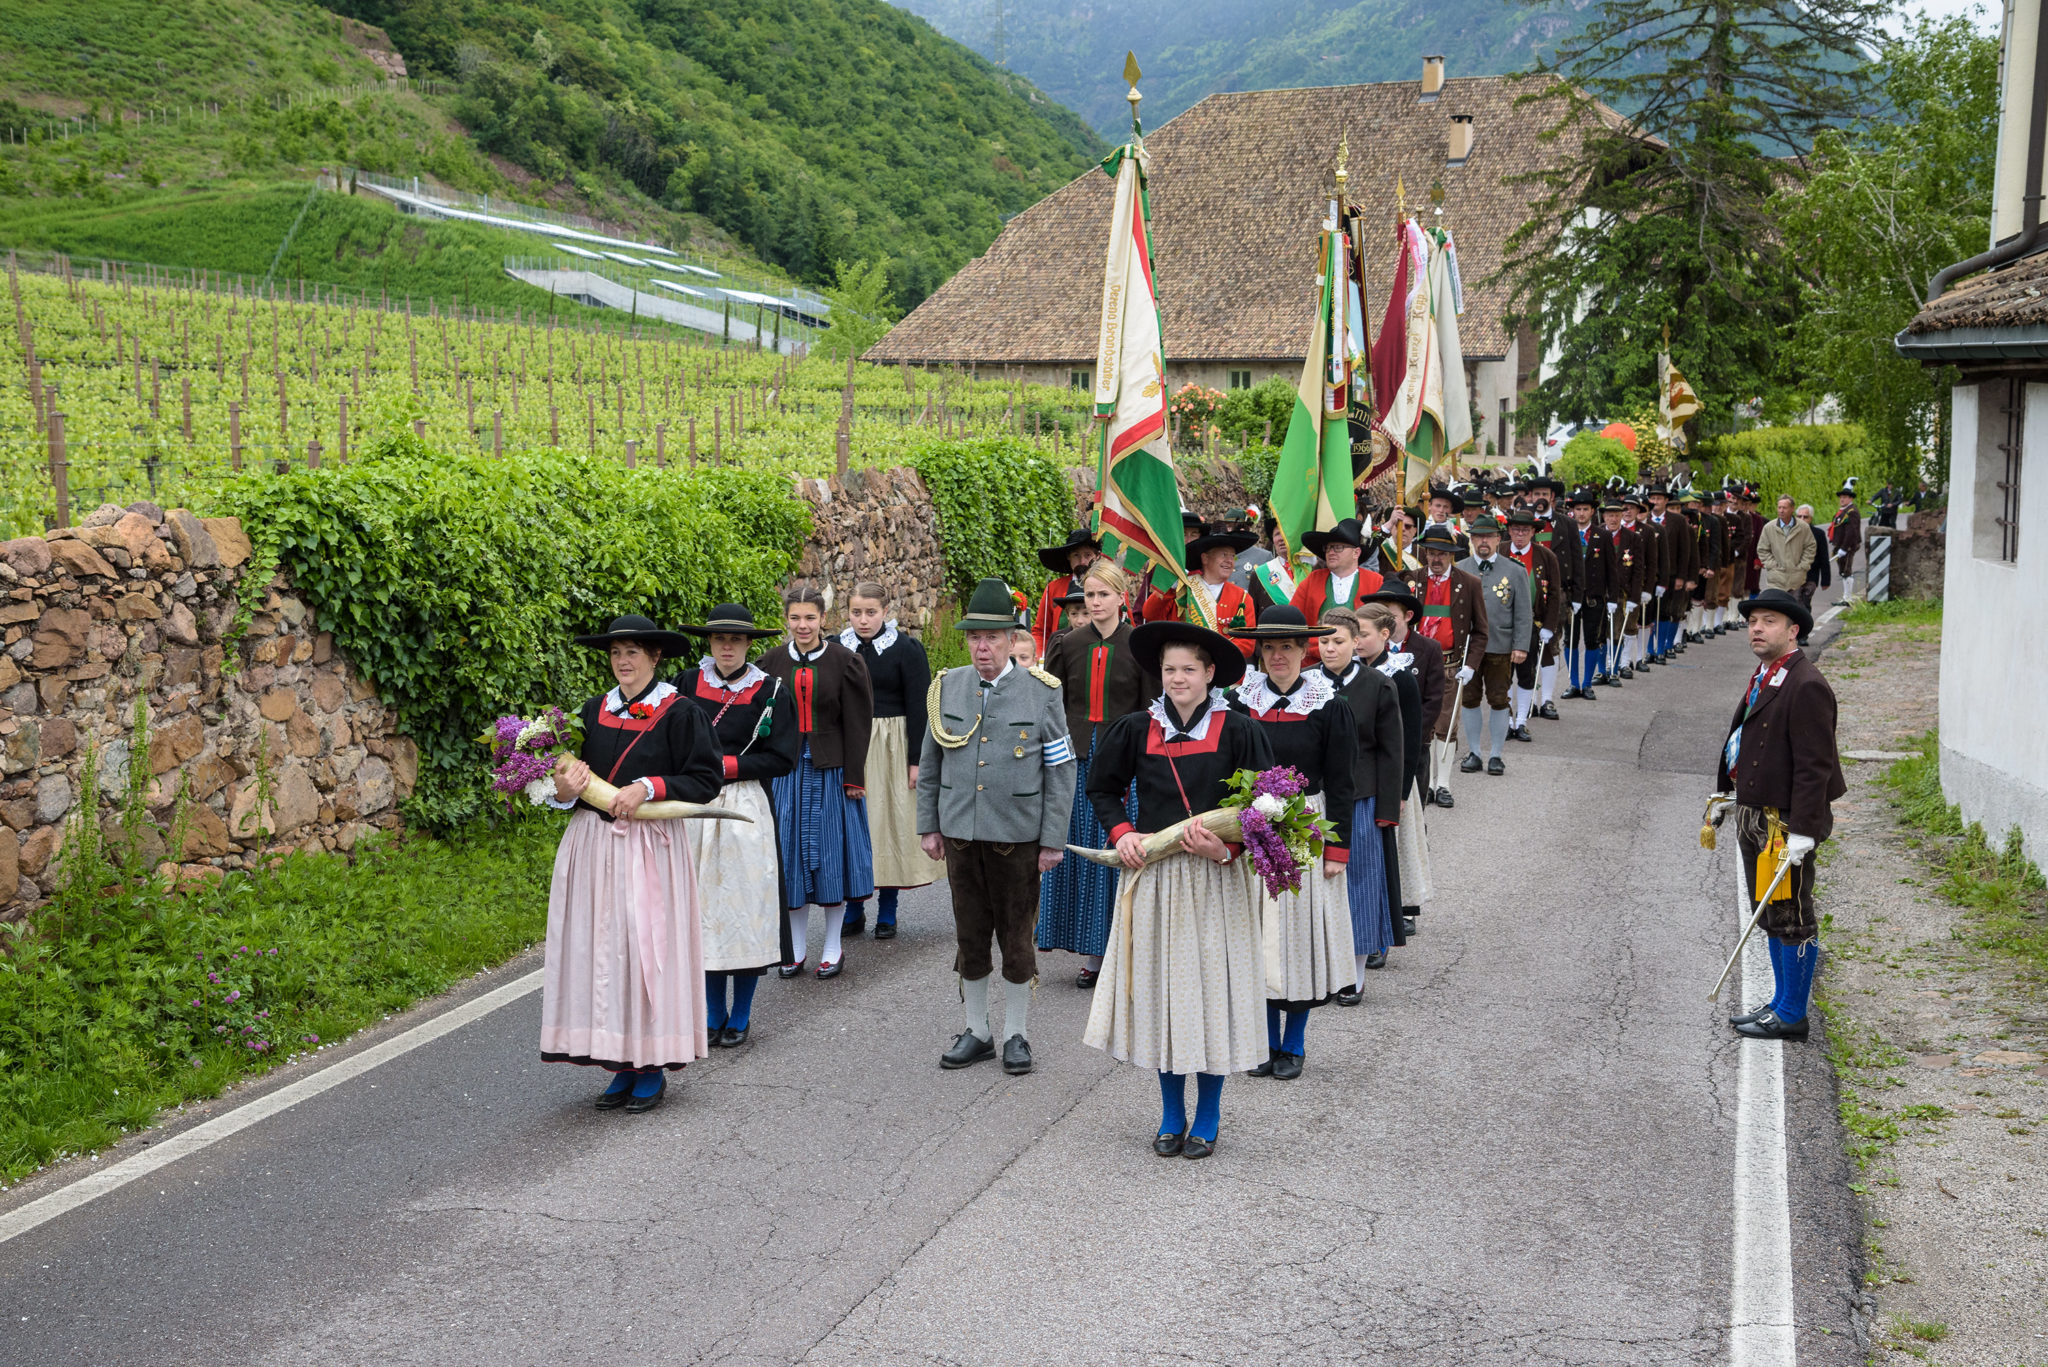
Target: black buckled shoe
{"x":1016,"y":1055}
{"x":1348,"y":996}
{"x":1407,"y":930}
{"x":1572,"y":692}
{"x":1495,"y":768}
{"x":1194,"y":1146}
{"x":1589,"y":695}
{"x":1549,"y":711}
{"x":854,"y":926}
{"x":1521,"y":733}
{"x":1626,"y":672}
{"x":1264,"y":1069}
{"x":1444,"y":798}
{"x":885,"y":930}
{"x":635,"y":1105}
{"x":1286,"y":1066}
{"x":1766,"y":1025}
{"x":967,"y":1050}
{"x":1085,"y":979}
{"x":1168,"y":1145}
{"x":1745,"y":1017}
{"x":611,"y":1100}
{"x":1471,"y":764}
{"x":1376,"y":960}
{"x":730,"y":1038}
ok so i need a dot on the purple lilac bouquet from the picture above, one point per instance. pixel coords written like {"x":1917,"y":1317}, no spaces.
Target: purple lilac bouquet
{"x":1282,"y":834}
{"x":523,"y":752}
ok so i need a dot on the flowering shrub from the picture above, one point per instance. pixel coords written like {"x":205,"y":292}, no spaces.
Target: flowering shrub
{"x":227,"y":1006}
{"x":1282,"y":834}
{"x":1195,"y":405}
{"x":523,"y":752}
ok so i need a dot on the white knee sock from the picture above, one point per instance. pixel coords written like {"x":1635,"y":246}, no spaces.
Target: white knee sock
{"x":1548,"y":673}
{"x":800,"y":932}
{"x":1361,"y":969}
{"x":1016,"y":1008}
{"x":975,"y":993}
{"x":1524,"y":698}
{"x":835,"y":926}
{"x":1094,"y":962}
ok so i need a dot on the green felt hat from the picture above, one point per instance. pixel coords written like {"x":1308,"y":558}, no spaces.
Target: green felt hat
{"x":989,"y":608}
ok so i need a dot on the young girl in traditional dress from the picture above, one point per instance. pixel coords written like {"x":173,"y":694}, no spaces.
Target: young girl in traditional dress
{"x":1371,"y":881}
{"x":624,"y":958}
{"x":1100,"y":681}
{"x":1307,"y":940}
{"x":738,"y":868}
{"x":1183,"y":977}
{"x":1387,"y":630}
{"x":820,"y":809}
{"x":900,"y":676}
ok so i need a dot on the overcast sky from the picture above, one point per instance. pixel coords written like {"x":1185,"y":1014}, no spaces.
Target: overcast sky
{"x":1987,"y":14}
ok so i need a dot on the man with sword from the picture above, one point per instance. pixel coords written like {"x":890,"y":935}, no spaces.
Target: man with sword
{"x":1780,"y":771}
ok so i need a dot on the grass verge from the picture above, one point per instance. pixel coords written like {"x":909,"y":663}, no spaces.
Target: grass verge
{"x":119,"y":999}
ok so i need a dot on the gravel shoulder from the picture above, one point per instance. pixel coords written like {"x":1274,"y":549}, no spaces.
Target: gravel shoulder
{"x":1939,"y":1046}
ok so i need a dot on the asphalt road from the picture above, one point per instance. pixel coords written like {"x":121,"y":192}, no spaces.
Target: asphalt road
{"x":1519,"y":1149}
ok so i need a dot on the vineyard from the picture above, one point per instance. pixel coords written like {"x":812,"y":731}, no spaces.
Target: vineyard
{"x":122,"y":383}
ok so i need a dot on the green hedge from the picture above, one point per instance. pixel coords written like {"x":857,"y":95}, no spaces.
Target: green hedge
{"x":1809,"y":463}
{"x":1589,"y":458}
{"x":999,"y":499}
{"x":455,"y":582}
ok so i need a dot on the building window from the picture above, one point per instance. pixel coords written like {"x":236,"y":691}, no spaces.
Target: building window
{"x":2001,"y":450}
{"x":1240,"y":379}
{"x":1080,"y":379}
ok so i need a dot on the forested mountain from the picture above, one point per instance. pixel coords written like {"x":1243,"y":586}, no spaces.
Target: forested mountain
{"x":1074,"y":49}
{"x":814,"y":131}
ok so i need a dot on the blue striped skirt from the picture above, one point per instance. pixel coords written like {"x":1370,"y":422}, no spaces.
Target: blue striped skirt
{"x":1077,"y":899}
{"x":823,"y":835}
{"x":1372,"y":919}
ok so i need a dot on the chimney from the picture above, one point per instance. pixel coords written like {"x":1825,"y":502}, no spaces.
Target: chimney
{"x":1461,"y":138}
{"x":1432,"y":78}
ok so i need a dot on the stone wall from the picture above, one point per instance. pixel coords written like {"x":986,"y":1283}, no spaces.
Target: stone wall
{"x":139,"y":603}
{"x":879,"y":525}
{"x":1920,"y":555}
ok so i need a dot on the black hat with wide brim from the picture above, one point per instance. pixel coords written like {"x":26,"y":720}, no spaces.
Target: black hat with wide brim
{"x":989,"y":608}
{"x":1059,"y":559}
{"x":1777,"y":600}
{"x":1588,"y":496}
{"x":1281,"y":622}
{"x":633,"y":627}
{"x":1349,"y":532}
{"x":1211,"y":540}
{"x":731,"y":619}
{"x":1150,"y":641}
{"x":1437,"y":535}
{"x":1393,"y":592}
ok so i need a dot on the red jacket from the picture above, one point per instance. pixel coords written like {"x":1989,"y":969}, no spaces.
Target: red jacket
{"x":1234,"y":608}
{"x":1312,"y":595}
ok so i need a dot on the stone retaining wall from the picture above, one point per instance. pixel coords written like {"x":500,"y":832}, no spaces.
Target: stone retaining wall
{"x":139,"y":603}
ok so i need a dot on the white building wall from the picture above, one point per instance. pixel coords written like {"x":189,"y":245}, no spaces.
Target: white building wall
{"x":1994,"y":644}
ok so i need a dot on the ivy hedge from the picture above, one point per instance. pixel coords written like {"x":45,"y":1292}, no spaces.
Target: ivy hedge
{"x":998,"y":499}
{"x":1807,"y":462}
{"x":455,"y":582}
{"x":1589,"y":458}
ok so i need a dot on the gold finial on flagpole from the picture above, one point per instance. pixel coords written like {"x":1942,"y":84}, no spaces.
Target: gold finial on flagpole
{"x":1400,"y":202}
{"x":1131,"y":75}
{"x":1343,"y":161}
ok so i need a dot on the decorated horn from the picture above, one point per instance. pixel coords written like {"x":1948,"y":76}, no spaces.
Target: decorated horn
{"x":599,"y":794}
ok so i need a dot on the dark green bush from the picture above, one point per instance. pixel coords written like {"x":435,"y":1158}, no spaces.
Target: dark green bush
{"x":1809,"y":463}
{"x":998,"y":500}
{"x":1244,"y":413}
{"x":1590,"y":458}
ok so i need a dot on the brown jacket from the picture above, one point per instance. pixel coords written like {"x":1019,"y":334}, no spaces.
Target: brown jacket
{"x":835,"y":709}
{"x":1788,"y":758}
{"x":1468,"y":617}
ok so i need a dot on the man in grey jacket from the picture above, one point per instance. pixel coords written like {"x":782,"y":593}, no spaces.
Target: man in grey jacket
{"x":1785,"y":549}
{"x":995,"y":788}
{"x":1510,"y":623}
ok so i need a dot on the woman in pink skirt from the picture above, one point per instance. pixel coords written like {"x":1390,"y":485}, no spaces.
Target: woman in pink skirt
{"x":624,"y":985}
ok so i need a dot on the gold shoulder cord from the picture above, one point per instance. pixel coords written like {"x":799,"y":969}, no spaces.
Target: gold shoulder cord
{"x":1049,"y":680}
{"x":946,"y":739}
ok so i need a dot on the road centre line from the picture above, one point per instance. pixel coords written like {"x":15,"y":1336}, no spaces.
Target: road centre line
{"x":1760,"y":1310}
{"x":117,"y":1175}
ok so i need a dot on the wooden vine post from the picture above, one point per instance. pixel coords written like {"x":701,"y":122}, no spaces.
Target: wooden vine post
{"x":845,"y":453}
{"x":60,"y":470}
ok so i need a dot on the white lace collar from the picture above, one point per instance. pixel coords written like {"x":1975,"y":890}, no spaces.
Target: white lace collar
{"x":1162,"y":712}
{"x":1394,"y":663}
{"x":1311,"y":691}
{"x":883,"y":639}
{"x":615,"y":701}
{"x":804,"y":659}
{"x":707,"y":670}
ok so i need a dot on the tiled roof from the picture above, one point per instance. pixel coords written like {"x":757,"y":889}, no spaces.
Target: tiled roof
{"x":1239,"y":185}
{"x":2014,"y":297}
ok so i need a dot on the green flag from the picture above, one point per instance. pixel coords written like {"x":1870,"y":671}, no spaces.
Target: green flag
{"x":1312,"y":486}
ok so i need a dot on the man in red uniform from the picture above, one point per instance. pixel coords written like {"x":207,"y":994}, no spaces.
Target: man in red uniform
{"x":1211,"y":557}
{"x":1452,"y":617}
{"x":1341,"y":581}
{"x":1067,"y":561}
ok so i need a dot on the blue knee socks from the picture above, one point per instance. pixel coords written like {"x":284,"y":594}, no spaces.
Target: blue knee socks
{"x":1575,"y":656}
{"x":621,"y":1081}
{"x":1297,"y":1031}
{"x":648,"y":1081}
{"x":1208,"y":1106}
{"x":742,"y":1001}
{"x":885,"y":907}
{"x":1599,"y":663}
{"x":856,"y":912}
{"x":1173,"y":1103}
{"x":715,"y":1012}
{"x":1797,"y":982}
{"x":1272,"y":1026}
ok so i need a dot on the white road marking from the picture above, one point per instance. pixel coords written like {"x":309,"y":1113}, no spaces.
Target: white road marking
{"x":97,"y":1184}
{"x":1760,"y":1302}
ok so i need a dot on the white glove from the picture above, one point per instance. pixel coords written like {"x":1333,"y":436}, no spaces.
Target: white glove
{"x":1575,"y":609}
{"x":1660,"y":592}
{"x":1464,"y":676}
{"x":1613,"y":606}
{"x":1646,"y":598}
{"x":1797,"y":847}
{"x":1718,"y":805}
{"x":1546,"y":633}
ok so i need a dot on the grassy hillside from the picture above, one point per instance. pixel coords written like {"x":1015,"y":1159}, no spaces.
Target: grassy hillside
{"x":813,"y":131}
{"x":1074,"y":49}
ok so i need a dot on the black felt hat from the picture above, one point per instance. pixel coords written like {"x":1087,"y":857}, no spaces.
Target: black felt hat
{"x":1456,"y":500}
{"x":1777,"y":600}
{"x":633,"y":627}
{"x":1588,"y":495}
{"x":1349,"y":532}
{"x":731,"y":619}
{"x":1150,"y":641}
{"x":1058,"y":558}
{"x":1214,"y":537}
{"x":1397,"y":593}
{"x":1281,"y":622}
{"x":1437,"y":535}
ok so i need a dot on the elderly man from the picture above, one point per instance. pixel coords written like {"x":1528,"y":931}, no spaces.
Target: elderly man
{"x":1509,"y":603}
{"x":1785,"y":549}
{"x":1780,"y":769}
{"x":995,"y":788}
